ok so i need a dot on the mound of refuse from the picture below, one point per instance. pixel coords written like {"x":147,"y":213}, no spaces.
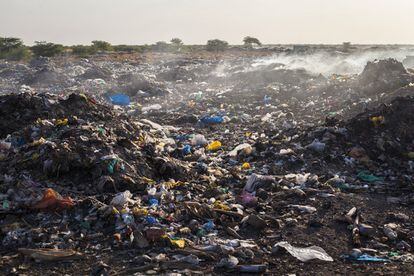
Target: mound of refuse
{"x":96,"y":73}
{"x":242,"y":169}
{"x":136,"y":85}
{"x":382,"y":76}
{"x":80,"y":144}
{"x":21,"y":110}
{"x":386,"y":131}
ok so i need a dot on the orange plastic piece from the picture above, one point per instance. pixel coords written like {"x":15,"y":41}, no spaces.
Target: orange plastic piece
{"x":53,"y":200}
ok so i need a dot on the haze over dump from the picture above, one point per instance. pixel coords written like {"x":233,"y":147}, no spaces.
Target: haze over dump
{"x":328,"y":63}
{"x":148,"y":21}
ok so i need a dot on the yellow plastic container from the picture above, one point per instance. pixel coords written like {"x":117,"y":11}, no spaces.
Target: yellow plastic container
{"x":213,"y":146}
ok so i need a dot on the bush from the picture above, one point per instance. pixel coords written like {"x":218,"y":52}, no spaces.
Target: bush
{"x":100,"y":45}
{"x":46,"y":49}
{"x":12,"y":48}
{"x":216,"y":45}
{"x":10,"y":43}
{"x":126,"y":48}
{"x":161,"y":46}
{"x":177,"y":42}
{"x":82,"y":50}
{"x":21,"y":53}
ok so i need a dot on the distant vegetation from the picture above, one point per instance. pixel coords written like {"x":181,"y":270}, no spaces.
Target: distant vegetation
{"x":46,"y":49}
{"x":249,"y":41}
{"x":216,"y":45}
{"x":161,"y":46}
{"x":176,"y":42}
{"x":100,"y":45}
{"x":82,"y":50}
{"x":12,"y":48}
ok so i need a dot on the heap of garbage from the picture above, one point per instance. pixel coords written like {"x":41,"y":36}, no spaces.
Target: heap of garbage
{"x":383,"y":76}
{"x":386,"y":131}
{"x":81,"y":144}
{"x":217,"y":170}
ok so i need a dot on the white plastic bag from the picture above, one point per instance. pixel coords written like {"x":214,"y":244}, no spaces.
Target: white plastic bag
{"x":305,"y":254}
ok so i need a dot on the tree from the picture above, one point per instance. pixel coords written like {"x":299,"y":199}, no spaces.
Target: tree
{"x":100,"y":45}
{"x":216,"y":45}
{"x":12,"y":48}
{"x":249,"y":41}
{"x":46,"y":49}
{"x":10,"y":43}
{"x":177,"y":42}
{"x":161,"y":46}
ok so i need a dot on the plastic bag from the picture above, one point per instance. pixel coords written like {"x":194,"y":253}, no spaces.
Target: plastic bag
{"x":211,"y":120}
{"x":316,"y":146}
{"x":245,"y":148}
{"x":186,"y":150}
{"x":151,"y":107}
{"x":53,"y":200}
{"x":255,"y":181}
{"x":198,"y":140}
{"x":180,"y":243}
{"x":122,"y":199}
{"x":305,"y":254}
{"x":49,"y":254}
{"x":366,"y":176}
{"x":364,"y":258}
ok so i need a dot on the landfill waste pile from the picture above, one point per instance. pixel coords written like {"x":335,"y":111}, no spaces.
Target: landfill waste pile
{"x":383,"y":75}
{"x":205,"y":164}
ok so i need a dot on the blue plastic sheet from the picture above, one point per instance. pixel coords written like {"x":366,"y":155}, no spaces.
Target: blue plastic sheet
{"x":120,"y":99}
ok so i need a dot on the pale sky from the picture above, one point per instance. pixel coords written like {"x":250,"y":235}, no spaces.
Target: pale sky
{"x":195,"y":21}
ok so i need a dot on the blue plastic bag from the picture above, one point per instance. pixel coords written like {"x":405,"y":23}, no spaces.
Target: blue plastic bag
{"x":210,"y":120}
{"x":153,"y":202}
{"x":151,"y":220}
{"x":120,"y":99}
{"x":365,"y":258}
{"x":209,"y":226}
{"x":186,"y":150}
